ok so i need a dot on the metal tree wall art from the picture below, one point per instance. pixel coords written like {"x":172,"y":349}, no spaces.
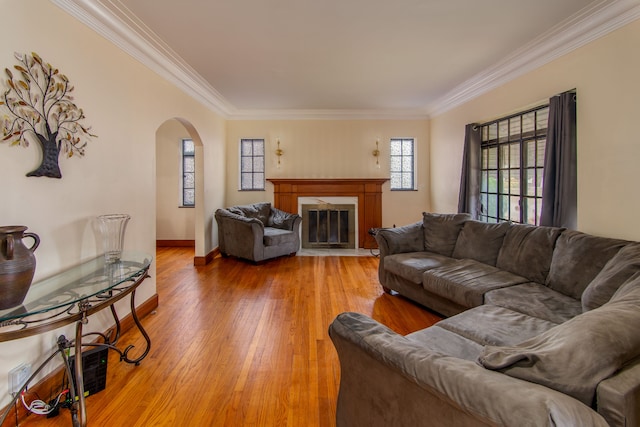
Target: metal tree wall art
{"x":40,"y":109}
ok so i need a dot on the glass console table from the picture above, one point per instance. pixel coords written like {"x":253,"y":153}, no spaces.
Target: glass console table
{"x":71,"y":297}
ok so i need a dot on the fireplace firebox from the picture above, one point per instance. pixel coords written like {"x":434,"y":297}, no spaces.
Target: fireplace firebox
{"x":328,"y":226}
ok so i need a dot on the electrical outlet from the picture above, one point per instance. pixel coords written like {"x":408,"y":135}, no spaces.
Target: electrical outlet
{"x":18,"y":376}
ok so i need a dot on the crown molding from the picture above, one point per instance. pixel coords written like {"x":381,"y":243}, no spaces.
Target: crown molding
{"x":592,"y":22}
{"x":112,"y":20}
{"x":117,"y":24}
{"x":399,"y":114}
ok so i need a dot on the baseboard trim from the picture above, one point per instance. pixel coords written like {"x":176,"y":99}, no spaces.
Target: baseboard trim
{"x":52,"y":381}
{"x":204,"y":260}
{"x":175,"y":243}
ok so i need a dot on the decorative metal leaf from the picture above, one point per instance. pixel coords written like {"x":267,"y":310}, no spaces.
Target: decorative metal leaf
{"x":36,"y":57}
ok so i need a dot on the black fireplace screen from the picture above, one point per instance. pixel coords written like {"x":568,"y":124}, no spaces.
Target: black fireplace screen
{"x":331,"y":226}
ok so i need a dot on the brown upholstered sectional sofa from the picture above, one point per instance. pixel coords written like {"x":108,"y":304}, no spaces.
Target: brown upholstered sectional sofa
{"x":544,"y":330}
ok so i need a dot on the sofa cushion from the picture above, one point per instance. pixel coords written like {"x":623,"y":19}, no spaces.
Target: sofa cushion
{"x":536,"y":300}
{"x":577,"y":259}
{"x":527,"y":251}
{"x":466,"y":281}
{"x":493,"y":325}
{"x":615,"y":272}
{"x":412,"y":265}
{"x":558,"y":358}
{"x":480,"y":241}
{"x":277,"y":236}
{"x":447,"y":343}
{"x":441,"y":231}
{"x":260,"y":211}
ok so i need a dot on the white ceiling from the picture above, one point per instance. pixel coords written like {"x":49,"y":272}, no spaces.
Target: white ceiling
{"x":401,"y":58}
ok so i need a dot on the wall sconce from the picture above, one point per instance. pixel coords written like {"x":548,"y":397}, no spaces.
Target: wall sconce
{"x":279,"y":152}
{"x":376,"y":154}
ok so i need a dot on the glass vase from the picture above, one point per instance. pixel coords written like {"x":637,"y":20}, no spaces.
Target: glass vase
{"x":112,"y":227}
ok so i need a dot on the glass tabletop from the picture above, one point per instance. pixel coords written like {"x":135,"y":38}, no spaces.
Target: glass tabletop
{"x":92,"y":278}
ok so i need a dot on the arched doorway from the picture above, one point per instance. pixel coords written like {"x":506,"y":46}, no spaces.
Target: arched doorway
{"x":174,"y":222}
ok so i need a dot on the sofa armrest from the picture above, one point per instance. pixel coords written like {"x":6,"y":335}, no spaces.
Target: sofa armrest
{"x":283,"y":220}
{"x":618,"y":397}
{"x":387,"y":379}
{"x":408,"y":238}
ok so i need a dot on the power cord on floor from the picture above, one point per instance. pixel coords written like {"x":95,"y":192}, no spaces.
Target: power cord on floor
{"x":40,"y":407}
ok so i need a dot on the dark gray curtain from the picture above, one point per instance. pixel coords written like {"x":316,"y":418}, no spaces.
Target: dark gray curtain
{"x":559,"y":191}
{"x":469,"y":197}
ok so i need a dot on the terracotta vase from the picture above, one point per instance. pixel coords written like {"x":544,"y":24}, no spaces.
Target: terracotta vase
{"x":17,"y":265}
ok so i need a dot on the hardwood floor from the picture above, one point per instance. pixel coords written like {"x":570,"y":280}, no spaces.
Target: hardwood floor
{"x":236,"y":344}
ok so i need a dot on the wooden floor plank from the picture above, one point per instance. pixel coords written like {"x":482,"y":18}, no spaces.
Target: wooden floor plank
{"x":237,"y":344}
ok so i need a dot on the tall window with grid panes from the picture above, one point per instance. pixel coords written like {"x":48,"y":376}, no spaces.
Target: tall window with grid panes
{"x":512,"y":167}
{"x":402,"y":164}
{"x":252,"y":164}
{"x":188,"y":173}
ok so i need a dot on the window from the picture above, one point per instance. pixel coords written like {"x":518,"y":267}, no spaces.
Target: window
{"x":402,"y":164}
{"x":188,"y":173}
{"x":512,"y":167}
{"x":252,"y":164}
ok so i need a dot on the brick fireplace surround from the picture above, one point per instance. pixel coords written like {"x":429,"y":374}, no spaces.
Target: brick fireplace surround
{"x":367,"y":190}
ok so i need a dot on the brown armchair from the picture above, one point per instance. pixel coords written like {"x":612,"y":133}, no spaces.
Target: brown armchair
{"x":257,"y":232}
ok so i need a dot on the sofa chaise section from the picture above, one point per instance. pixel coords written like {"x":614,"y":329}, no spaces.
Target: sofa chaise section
{"x":391,"y":380}
{"x":494,"y":366}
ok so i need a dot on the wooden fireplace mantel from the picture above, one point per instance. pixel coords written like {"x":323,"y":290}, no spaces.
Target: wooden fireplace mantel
{"x":286,"y":192}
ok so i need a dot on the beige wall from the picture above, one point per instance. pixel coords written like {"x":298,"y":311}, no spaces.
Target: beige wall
{"x":605,"y":74}
{"x":125,"y":103}
{"x":333,"y":149}
{"x":173,"y":222}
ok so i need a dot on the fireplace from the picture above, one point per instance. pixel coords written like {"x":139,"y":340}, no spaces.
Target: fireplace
{"x":328,"y":225}
{"x":366,"y":192}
